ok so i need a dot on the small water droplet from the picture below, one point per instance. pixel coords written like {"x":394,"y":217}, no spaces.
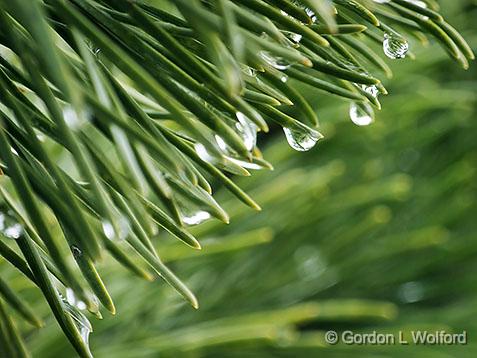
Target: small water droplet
{"x":372,"y":89}
{"x":120,"y":232}
{"x":361,"y":114}
{"x":395,"y":46}
{"x":275,"y":61}
{"x":79,"y":319}
{"x":249,"y":71}
{"x":204,"y":154}
{"x":418,"y":3}
{"x":195,"y":218}
{"x":301,"y":137}
{"x":293,"y":37}
{"x":9,"y":227}
{"x":73,"y":300}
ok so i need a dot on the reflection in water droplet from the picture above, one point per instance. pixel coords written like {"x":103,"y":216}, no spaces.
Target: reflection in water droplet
{"x":195,"y":218}
{"x":300,"y":137}
{"x":395,"y":46}
{"x":9,"y":226}
{"x":79,"y":319}
{"x":361,"y":114}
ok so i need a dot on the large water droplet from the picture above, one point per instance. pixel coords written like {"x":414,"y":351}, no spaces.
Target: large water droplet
{"x":79,"y":319}
{"x":300,"y":137}
{"x":361,"y":114}
{"x":9,"y":227}
{"x":395,"y":46}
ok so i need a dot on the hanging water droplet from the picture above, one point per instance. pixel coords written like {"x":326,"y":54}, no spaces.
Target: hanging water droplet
{"x":118,"y":233}
{"x":361,"y":114}
{"x":395,"y":46}
{"x":9,"y":227}
{"x":79,"y":319}
{"x":195,"y":218}
{"x":300,"y":137}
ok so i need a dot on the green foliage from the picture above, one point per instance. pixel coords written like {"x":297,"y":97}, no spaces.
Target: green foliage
{"x":115,"y":117}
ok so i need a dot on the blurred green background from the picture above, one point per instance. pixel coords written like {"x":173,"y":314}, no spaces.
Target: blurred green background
{"x":373,"y":230}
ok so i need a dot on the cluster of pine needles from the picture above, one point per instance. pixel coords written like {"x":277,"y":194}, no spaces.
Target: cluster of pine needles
{"x":149,"y":103}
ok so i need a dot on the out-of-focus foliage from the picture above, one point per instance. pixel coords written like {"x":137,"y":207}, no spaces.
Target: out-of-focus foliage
{"x":373,"y":230}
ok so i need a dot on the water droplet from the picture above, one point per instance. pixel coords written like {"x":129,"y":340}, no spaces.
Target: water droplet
{"x":73,"y":300}
{"x":9,"y":227}
{"x":395,"y":46}
{"x":301,"y":137}
{"x":382,"y":1}
{"x":418,"y":3}
{"x":120,"y":232}
{"x":246,"y":130}
{"x":275,"y":61}
{"x":246,"y":165}
{"x":293,"y":37}
{"x":79,"y":319}
{"x":372,"y":90}
{"x":195,"y":218}
{"x":252,"y":72}
{"x":204,"y":154}
{"x":361,"y":114}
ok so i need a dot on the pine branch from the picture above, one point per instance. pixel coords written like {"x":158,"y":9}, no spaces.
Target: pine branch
{"x":150,"y":103}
